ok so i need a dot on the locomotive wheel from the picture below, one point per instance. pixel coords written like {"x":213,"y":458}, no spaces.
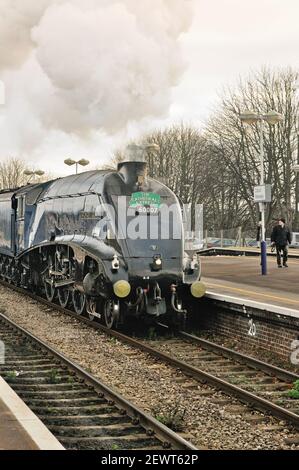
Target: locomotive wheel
{"x":93,"y":308}
{"x":79,"y":302}
{"x":15,"y":274}
{"x":64,"y":296}
{"x":111,"y":313}
{"x":50,"y":291}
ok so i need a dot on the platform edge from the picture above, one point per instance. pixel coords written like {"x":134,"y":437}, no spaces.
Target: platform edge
{"x":31,"y":424}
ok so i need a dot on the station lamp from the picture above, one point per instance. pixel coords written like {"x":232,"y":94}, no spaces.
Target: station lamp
{"x":71,"y":162}
{"x":272,"y":118}
{"x":33,"y":173}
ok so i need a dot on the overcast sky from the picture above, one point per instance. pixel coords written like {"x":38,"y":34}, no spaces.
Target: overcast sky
{"x":227,"y":39}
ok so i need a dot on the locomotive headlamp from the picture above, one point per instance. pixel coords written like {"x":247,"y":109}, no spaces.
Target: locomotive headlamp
{"x":198,"y":289}
{"x":115,"y":263}
{"x":157,"y":263}
{"x":121,"y":289}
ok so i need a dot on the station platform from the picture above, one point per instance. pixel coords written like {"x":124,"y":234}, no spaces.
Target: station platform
{"x":20,"y":428}
{"x":239,"y":277}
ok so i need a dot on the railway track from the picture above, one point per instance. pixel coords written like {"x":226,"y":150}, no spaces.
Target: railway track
{"x":78,"y":409}
{"x":260,"y":385}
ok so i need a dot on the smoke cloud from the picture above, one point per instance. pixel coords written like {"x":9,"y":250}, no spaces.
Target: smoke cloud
{"x":77,"y":67}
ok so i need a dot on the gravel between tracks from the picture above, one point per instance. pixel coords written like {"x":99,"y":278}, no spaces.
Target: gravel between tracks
{"x":209,"y":421}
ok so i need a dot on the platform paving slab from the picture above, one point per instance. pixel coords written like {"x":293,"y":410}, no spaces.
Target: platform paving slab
{"x":240,"y":277}
{"x":20,"y":428}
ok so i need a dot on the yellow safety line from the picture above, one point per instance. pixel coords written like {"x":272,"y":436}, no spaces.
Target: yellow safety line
{"x":252,"y":250}
{"x":292,"y":301}
{"x":254,"y":258}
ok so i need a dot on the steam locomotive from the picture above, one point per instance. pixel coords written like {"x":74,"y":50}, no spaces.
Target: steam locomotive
{"x":101,"y":242}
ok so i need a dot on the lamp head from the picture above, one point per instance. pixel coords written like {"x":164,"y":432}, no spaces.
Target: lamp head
{"x":273,"y":117}
{"x":249,"y":117}
{"x":152,"y":148}
{"x":83,"y":162}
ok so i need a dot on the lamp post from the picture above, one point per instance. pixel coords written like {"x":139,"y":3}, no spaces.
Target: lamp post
{"x":33,"y":173}
{"x":272,"y":118}
{"x":81,"y":162}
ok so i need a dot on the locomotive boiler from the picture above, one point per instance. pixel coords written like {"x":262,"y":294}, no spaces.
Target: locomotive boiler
{"x":106,"y":243}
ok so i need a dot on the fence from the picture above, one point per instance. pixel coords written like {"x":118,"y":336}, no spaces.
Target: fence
{"x":223,"y":238}
{"x":230,"y":237}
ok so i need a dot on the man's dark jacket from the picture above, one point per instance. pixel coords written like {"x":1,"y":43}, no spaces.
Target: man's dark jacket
{"x":281,"y":235}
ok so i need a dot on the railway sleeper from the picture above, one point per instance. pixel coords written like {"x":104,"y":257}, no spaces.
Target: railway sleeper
{"x":94,"y":420}
{"x":30,"y":368}
{"x":72,"y":402}
{"x":73,"y":410}
{"x":130,"y":442}
{"x":112,"y":430}
{"x":46,"y":386}
{"x":58,"y":394}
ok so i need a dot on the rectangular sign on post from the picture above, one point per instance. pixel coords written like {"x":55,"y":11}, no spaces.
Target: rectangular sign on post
{"x":262,"y":193}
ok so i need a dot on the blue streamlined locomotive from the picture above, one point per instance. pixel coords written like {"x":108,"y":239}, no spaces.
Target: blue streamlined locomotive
{"x":109,"y":243}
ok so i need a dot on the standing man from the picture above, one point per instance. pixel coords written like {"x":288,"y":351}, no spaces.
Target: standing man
{"x":281,"y":237}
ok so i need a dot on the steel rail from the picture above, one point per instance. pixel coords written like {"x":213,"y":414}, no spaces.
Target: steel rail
{"x":239,"y":357}
{"x":168,"y":438}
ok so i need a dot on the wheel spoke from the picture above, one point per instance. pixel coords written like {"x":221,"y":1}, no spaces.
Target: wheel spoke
{"x":63,"y":296}
{"x":50,"y":291}
{"x":111,"y":313}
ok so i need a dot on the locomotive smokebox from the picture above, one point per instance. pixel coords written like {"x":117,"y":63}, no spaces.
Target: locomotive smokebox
{"x":133,"y":167}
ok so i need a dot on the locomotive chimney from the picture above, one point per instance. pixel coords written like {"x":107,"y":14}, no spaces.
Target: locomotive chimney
{"x":133,"y":167}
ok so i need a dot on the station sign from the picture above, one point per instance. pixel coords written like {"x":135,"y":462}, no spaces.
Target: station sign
{"x":262,"y":193}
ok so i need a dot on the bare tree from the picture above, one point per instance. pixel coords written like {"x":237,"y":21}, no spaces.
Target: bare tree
{"x":115,"y":160}
{"x":181,"y":150}
{"x":220,"y":165}
{"x":12,"y":174}
{"x":188,"y":163}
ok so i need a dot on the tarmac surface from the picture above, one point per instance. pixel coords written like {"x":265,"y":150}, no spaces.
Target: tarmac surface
{"x":240,"y":276}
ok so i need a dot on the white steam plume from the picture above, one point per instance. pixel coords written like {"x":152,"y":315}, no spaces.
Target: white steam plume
{"x":79,"y":66}
{"x":17,"y":17}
